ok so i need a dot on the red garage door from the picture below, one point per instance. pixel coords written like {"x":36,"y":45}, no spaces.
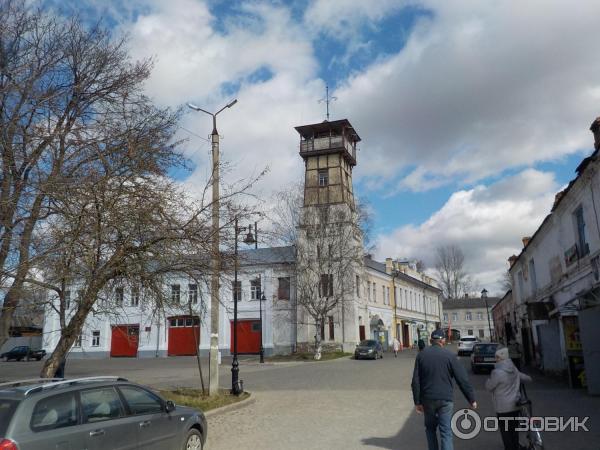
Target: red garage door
{"x":184,"y":335}
{"x":124,"y":340}
{"x":248,"y":336}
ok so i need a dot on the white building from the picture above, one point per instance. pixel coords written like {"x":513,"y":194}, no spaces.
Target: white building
{"x":130,"y":326}
{"x":556,"y":280}
{"x":469,"y":316}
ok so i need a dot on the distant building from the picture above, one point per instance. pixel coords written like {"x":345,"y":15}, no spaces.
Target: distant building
{"x":469,"y":316}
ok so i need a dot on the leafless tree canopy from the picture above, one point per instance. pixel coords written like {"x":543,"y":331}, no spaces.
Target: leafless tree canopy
{"x":454,"y":280}
{"x":329,"y":258}
{"x":287,"y":211}
{"x":70,"y":106}
{"x":84,"y":197}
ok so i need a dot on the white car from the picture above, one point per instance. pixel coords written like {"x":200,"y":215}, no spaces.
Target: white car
{"x":466,"y":344}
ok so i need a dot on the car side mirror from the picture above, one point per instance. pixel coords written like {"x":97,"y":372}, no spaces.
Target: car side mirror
{"x":169,"y":406}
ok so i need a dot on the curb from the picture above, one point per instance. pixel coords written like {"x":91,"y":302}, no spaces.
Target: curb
{"x":233,"y":407}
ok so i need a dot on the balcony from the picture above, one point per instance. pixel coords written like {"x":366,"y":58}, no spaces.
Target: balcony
{"x":329,"y":144}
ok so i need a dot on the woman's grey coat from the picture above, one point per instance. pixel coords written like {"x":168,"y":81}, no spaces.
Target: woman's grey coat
{"x":504,"y":384}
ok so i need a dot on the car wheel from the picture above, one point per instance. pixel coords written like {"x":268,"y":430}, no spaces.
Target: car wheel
{"x":193,"y":441}
{"x":39,"y":358}
{"x":474,"y":369}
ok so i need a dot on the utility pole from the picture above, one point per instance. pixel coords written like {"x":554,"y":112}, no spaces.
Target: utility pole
{"x":215,"y":259}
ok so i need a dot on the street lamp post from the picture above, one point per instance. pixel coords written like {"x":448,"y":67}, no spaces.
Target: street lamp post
{"x":213,"y":364}
{"x":487,"y":309}
{"x":262,"y":349}
{"x":261,"y":297}
{"x":236,"y":385}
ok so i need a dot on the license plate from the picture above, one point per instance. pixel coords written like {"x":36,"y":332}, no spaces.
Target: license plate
{"x":489,"y":359}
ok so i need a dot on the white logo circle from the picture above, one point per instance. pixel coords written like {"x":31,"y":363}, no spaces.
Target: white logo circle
{"x":466,"y":424}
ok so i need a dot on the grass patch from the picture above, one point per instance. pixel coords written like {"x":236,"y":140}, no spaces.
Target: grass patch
{"x":308,"y":356}
{"x":195,"y":399}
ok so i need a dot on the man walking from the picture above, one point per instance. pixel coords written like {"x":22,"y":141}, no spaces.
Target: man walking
{"x":433,"y":390}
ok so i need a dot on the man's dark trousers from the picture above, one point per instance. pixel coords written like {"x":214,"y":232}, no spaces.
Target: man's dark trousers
{"x":438,"y":414}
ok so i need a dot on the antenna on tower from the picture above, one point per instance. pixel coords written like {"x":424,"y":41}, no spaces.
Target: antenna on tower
{"x":327,"y":100}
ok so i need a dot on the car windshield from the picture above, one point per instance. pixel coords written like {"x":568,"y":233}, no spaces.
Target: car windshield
{"x":7,"y":409}
{"x":485,"y":349}
{"x":368,"y":343}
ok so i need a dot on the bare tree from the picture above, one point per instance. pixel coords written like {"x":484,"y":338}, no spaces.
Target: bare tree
{"x":454,"y":280}
{"x":112,"y":232}
{"x":506,"y":281}
{"x":329,"y":257}
{"x":287,"y":211}
{"x":285,"y":214}
{"x":71,"y":104}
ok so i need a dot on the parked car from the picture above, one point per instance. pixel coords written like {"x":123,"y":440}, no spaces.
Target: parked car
{"x":94,"y":413}
{"x":23,"y":352}
{"x":465,"y":345}
{"x":483,"y":357}
{"x":369,"y":349}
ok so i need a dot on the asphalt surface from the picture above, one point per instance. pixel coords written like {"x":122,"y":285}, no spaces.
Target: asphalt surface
{"x":340,"y":404}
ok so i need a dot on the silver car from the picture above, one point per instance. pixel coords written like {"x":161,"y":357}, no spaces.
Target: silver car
{"x":97,"y":413}
{"x":466,"y":344}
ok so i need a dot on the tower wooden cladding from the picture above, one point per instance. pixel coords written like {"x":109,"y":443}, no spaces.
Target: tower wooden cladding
{"x":329,"y":153}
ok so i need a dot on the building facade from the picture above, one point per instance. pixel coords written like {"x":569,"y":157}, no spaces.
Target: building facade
{"x":556,"y":281}
{"x":127,"y":324}
{"x":504,"y":318}
{"x":399,"y":302}
{"x":469,"y":316}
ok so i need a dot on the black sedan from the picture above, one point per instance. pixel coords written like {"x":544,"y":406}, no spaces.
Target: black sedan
{"x":483,"y":357}
{"x":368,"y":349}
{"x":23,"y":352}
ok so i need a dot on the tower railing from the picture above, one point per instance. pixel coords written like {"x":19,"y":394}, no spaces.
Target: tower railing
{"x":326,"y":143}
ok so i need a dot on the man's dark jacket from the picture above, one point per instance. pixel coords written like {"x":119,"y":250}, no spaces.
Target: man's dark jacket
{"x":435,"y":368}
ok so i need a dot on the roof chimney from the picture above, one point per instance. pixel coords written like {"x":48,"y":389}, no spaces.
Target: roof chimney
{"x":512,"y":260}
{"x":389,"y":266}
{"x":595,"y":128}
{"x":525,"y":240}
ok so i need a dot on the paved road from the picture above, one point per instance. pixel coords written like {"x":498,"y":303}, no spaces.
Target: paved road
{"x":341,"y":404}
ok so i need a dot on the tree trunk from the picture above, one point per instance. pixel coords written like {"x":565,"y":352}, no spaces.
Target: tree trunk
{"x":317,"y":354}
{"x":6,"y":315}
{"x":69,"y":333}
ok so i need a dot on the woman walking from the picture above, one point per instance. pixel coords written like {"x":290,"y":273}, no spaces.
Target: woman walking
{"x":504,"y":384}
{"x":396,"y":344}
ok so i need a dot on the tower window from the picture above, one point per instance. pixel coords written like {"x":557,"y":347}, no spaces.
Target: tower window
{"x":323,"y":177}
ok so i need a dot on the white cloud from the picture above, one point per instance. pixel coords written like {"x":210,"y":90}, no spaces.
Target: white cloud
{"x":486,"y":222}
{"x":260,"y":52}
{"x":479,"y":87}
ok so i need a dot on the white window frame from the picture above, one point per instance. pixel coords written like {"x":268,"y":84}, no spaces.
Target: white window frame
{"x":96,"y":338}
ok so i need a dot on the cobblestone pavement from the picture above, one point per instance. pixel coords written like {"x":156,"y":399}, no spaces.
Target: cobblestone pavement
{"x":340,"y":404}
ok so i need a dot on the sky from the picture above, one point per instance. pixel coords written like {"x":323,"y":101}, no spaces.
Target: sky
{"x":472,"y":114}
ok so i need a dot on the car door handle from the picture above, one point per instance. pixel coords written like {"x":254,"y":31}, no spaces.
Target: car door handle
{"x":144,"y":424}
{"x":97,"y":433}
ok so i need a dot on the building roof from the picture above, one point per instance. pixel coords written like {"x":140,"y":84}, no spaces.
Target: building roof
{"x":380,"y":267}
{"x":469,"y":302}
{"x":268,"y":255}
{"x":308,"y":131}
{"x":375,"y":265}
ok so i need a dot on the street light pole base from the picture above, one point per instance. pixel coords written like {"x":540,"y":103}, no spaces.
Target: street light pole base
{"x":237,"y":385}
